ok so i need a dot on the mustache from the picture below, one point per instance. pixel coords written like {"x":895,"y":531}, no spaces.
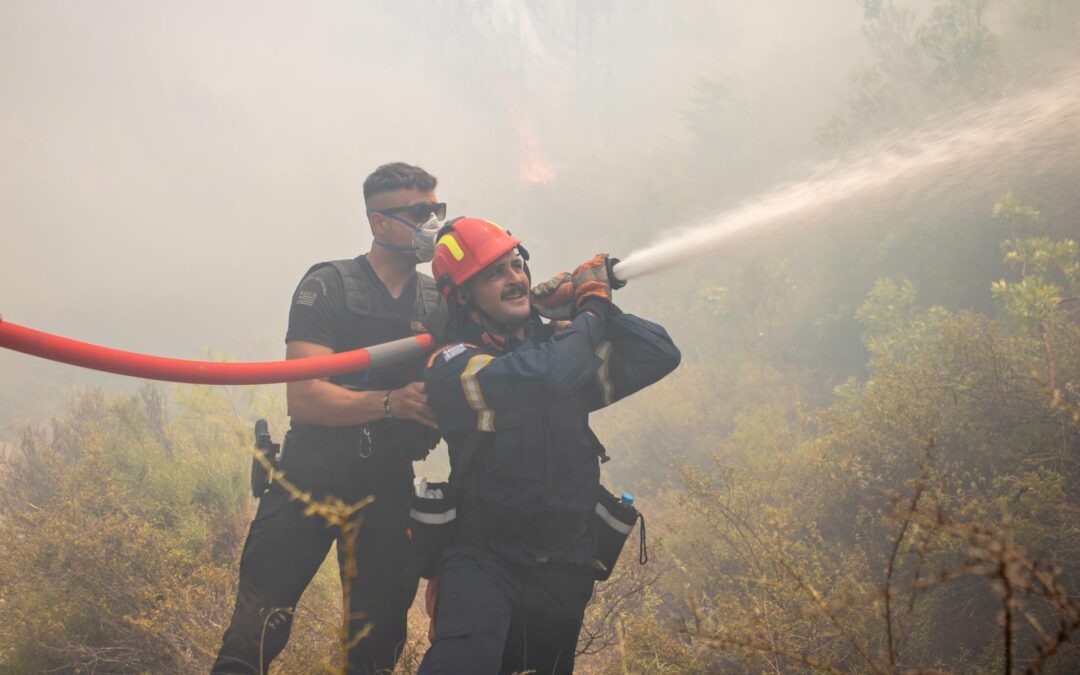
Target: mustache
{"x":512,"y":289}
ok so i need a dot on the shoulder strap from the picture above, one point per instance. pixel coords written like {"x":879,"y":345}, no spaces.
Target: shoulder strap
{"x":427,"y":294}
{"x":311,"y":270}
{"x":358,"y":290}
{"x":348,"y":269}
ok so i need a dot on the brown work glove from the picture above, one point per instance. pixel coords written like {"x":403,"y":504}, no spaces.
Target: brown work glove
{"x":591,"y":281}
{"x":554,"y":299}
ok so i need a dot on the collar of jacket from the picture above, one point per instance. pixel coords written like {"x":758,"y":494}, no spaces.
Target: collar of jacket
{"x":476,"y":334}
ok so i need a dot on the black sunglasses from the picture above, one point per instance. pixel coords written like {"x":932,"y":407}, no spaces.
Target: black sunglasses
{"x":417,"y":213}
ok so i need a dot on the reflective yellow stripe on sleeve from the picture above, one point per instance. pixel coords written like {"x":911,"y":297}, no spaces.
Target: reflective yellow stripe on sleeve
{"x":603,"y":375}
{"x":485,"y":416}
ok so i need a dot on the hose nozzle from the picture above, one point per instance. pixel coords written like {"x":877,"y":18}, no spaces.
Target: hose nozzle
{"x":613,"y":279}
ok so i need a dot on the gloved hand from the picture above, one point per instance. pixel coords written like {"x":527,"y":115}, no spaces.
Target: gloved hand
{"x":554,"y":299}
{"x":592,"y":281}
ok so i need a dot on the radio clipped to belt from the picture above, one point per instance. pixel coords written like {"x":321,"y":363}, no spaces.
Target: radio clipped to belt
{"x":265,"y":446}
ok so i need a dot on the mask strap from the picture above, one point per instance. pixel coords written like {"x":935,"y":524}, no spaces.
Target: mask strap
{"x":414,"y":228}
{"x":391,"y":216}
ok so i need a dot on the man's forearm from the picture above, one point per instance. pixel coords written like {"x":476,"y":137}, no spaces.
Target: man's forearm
{"x":328,"y":404}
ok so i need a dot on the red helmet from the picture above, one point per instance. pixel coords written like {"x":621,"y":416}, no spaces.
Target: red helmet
{"x":464,"y":247}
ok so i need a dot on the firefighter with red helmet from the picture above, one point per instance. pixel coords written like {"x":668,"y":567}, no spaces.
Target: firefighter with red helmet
{"x":512,"y":397}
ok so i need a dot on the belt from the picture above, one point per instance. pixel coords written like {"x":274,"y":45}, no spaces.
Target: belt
{"x":535,"y":529}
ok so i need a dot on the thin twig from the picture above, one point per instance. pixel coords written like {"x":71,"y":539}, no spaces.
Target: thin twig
{"x":920,"y":486}
{"x":337,"y":514}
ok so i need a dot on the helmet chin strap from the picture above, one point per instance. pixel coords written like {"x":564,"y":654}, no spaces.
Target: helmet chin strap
{"x":489,"y":324}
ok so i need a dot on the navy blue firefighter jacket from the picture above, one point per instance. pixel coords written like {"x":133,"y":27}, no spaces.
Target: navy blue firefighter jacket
{"x":532,"y":485}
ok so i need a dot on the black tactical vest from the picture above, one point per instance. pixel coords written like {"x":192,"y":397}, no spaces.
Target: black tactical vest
{"x":374,"y":320}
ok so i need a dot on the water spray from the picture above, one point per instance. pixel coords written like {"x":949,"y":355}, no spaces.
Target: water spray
{"x":964,"y":145}
{"x":957,"y":145}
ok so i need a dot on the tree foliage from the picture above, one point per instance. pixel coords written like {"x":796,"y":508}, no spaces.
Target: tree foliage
{"x":940,"y":480}
{"x":867,"y":463}
{"x":123,"y":525}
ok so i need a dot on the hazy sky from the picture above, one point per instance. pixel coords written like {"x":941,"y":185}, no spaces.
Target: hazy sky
{"x":169,"y":170}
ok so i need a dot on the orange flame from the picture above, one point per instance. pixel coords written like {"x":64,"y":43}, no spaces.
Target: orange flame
{"x":534,"y":166}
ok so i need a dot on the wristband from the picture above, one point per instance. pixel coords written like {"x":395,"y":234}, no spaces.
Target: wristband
{"x":386,"y":404}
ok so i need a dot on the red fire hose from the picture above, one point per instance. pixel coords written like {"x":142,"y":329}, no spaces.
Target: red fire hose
{"x":56,"y":348}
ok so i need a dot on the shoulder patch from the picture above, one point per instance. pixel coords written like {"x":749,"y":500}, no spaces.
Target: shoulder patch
{"x":309,"y":290}
{"x":450,"y":351}
{"x":453,"y":350}
{"x":306,"y":298}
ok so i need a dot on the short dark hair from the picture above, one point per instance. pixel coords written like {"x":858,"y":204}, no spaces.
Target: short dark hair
{"x":398,"y":176}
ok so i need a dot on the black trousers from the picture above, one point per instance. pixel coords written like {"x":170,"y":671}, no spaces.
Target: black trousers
{"x":285,"y":548}
{"x":494,"y":616}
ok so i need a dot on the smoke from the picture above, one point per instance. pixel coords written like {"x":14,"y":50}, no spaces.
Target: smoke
{"x":169,"y":171}
{"x":952,"y":154}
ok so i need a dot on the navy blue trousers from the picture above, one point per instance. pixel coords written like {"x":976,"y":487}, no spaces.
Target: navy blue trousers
{"x":494,"y":616}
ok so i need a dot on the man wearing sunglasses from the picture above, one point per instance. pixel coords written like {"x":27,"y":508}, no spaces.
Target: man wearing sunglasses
{"x":351,"y":436}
